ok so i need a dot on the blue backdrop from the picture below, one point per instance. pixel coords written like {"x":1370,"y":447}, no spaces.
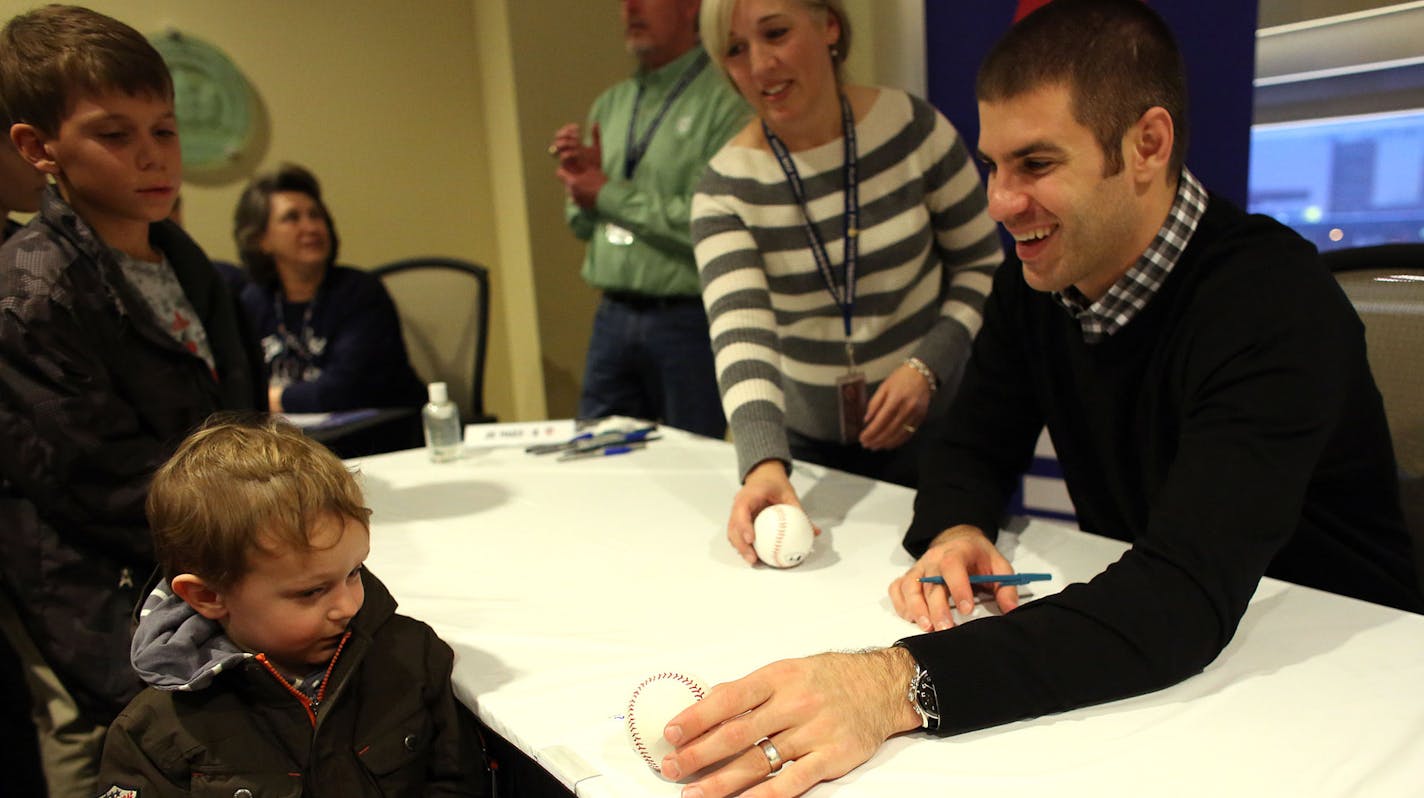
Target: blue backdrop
{"x":1218,"y":41}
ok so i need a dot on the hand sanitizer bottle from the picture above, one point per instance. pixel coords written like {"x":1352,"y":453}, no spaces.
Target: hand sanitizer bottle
{"x":441,"y":420}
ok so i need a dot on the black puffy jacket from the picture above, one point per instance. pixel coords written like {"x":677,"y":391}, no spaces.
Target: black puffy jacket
{"x":388,"y":724}
{"x":94,"y":396}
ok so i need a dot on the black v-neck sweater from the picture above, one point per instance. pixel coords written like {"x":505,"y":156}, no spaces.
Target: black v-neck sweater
{"x":1232,"y":429}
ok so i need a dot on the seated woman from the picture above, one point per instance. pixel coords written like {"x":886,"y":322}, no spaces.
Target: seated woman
{"x":330,"y":336}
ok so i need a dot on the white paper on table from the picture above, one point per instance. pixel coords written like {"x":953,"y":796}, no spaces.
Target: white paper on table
{"x":518,"y":433}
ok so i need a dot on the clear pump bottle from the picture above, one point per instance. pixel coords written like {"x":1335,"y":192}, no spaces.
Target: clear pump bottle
{"x":441,"y":419}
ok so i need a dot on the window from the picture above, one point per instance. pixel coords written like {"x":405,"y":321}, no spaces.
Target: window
{"x":1337,"y":148}
{"x":1343,"y":182}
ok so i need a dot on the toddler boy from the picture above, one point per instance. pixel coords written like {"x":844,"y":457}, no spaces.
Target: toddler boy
{"x":276,"y":664}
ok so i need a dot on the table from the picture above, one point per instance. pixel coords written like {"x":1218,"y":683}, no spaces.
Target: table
{"x":362,"y":432}
{"x":561,"y":585}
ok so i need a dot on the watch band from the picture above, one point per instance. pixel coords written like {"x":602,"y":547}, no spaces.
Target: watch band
{"x":923,"y":698}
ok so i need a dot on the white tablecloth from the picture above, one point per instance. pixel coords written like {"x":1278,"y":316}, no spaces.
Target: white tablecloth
{"x":561,"y":585}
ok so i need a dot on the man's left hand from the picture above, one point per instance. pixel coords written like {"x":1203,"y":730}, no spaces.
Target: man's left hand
{"x":583,"y":186}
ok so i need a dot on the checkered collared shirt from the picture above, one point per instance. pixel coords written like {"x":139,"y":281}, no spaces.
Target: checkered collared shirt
{"x":1132,"y":291}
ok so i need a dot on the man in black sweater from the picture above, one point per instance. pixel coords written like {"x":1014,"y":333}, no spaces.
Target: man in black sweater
{"x":1204,"y":382}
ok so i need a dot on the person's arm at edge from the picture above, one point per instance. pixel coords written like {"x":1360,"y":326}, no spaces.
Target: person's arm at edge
{"x":734,"y":287}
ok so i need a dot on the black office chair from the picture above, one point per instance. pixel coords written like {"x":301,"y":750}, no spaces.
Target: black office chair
{"x":1386,"y":285}
{"x":444,"y":311}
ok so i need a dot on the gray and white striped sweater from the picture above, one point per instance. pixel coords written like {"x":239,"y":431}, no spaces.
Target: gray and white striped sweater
{"x":928,"y":251}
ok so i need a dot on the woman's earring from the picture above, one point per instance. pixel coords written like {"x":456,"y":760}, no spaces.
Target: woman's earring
{"x":835,"y":53}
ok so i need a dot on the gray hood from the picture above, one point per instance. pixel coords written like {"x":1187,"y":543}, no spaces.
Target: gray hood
{"x":175,"y":648}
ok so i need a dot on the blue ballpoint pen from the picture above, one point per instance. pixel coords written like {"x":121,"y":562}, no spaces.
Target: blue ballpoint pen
{"x":589,"y":440}
{"x":620,"y":439}
{"x":1001,"y":579}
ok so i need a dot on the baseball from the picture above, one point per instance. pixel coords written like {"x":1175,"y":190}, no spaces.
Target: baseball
{"x":654,"y":702}
{"x":784,"y":535}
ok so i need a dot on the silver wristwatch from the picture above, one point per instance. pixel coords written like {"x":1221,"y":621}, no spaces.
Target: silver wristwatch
{"x":924,"y":699}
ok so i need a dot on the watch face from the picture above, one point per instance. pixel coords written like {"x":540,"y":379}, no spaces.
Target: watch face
{"x":925,"y":696}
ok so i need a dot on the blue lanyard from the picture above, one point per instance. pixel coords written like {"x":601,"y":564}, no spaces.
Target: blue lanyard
{"x":845,"y":298}
{"x":633,"y":150}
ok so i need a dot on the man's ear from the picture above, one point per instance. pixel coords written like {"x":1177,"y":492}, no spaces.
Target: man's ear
{"x":1150,"y":142}
{"x":199,"y":595}
{"x":34,"y":147}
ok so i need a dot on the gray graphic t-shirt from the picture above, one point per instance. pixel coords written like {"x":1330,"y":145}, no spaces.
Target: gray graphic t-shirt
{"x":159,"y":287}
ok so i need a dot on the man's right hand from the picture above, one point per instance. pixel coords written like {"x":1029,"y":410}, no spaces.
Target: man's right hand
{"x":766,"y":484}
{"x":954,"y":554}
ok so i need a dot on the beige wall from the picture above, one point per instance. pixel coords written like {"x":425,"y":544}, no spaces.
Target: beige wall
{"x":565,"y":53}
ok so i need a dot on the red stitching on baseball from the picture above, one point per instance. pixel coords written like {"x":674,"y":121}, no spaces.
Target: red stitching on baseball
{"x":780,"y":535}
{"x":686,"y":681}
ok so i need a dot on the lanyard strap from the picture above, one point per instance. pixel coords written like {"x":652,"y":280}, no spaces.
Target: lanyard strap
{"x":296,"y":346}
{"x":633,"y":150}
{"x":845,"y":298}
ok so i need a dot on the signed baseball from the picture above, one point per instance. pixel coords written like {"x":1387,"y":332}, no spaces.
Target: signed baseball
{"x":784,"y":535}
{"x":654,"y":702}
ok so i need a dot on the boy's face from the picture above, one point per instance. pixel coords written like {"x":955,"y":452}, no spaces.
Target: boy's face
{"x":117,"y":160}
{"x":20,"y":183}
{"x":293,"y":605}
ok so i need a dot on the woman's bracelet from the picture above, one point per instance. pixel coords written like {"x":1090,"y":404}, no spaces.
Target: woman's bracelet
{"x":919,"y":365}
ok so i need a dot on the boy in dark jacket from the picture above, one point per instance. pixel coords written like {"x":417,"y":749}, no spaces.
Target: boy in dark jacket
{"x":276,"y":664}
{"x":117,"y":339}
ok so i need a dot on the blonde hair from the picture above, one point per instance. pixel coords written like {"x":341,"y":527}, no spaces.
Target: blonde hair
{"x":242,"y":483}
{"x":714,"y":24}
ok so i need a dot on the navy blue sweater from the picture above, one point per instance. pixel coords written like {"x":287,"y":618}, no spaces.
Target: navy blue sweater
{"x":352,"y":357}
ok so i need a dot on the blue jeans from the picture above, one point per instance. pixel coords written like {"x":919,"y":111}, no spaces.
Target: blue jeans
{"x":651,"y":358}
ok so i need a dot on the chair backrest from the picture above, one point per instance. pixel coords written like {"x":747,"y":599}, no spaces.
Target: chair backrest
{"x":1388,"y":293}
{"x":443,"y":305}
{"x":1386,"y":286}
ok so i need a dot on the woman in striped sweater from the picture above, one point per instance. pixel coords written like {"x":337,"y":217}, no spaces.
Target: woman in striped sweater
{"x":845,"y":252}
